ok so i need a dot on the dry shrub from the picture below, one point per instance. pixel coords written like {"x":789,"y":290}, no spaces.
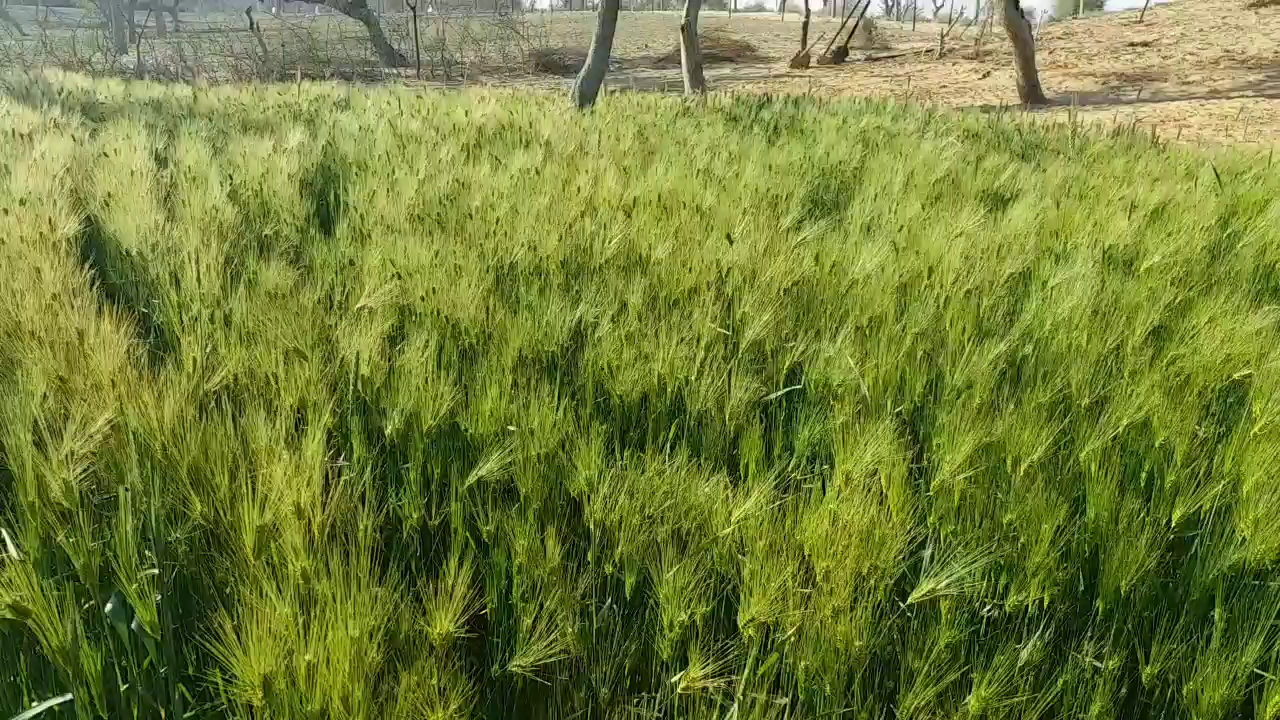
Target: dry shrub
{"x":558,"y":61}
{"x":1258,"y":4}
{"x":717,"y":46}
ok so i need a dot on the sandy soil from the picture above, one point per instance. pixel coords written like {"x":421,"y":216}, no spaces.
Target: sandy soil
{"x":1195,"y":70}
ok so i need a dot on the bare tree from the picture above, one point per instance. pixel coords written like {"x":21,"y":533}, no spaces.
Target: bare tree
{"x":984,"y":26}
{"x":118,"y":25}
{"x":804,"y":28}
{"x":690,"y":55}
{"x":591,"y":77}
{"x":953,"y":19}
{"x":359,"y":11}
{"x":1024,"y":54}
{"x":159,"y":8}
{"x":139,"y":67}
{"x":417,"y":46}
{"x":256,"y":31}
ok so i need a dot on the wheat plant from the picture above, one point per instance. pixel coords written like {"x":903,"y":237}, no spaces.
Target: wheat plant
{"x":331,"y":403}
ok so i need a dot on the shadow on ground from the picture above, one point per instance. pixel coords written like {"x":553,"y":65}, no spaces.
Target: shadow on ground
{"x":1134,"y":89}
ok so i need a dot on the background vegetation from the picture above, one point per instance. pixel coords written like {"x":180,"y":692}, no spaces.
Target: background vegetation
{"x":1071,"y":8}
{"x":324,"y":403}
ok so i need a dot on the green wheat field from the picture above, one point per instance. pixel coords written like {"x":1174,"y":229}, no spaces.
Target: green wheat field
{"x":332,"y":403}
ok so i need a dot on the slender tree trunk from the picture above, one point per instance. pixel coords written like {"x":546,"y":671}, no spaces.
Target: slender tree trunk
{"x":130,"y":9}
{"x":119,"y":27}
{"x":139,"y":69}
{"x":359,"y":10}
{"x":695,"y":83}
{"x":1024,"y":54}
{"x":171,"y":9}
{"x":417,"y":46}
{"x":591,"y":77}
{"x":804,"y":28}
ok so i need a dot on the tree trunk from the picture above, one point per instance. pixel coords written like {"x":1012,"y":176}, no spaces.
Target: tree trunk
{"x":804,"y":28}
{"x":359,"y":10}
{"x":587,"y":85}
{"x":690,"y":55}
{"x":130,"y":10}
{"x":1024,"y":54}
{"x":119,"y":27}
